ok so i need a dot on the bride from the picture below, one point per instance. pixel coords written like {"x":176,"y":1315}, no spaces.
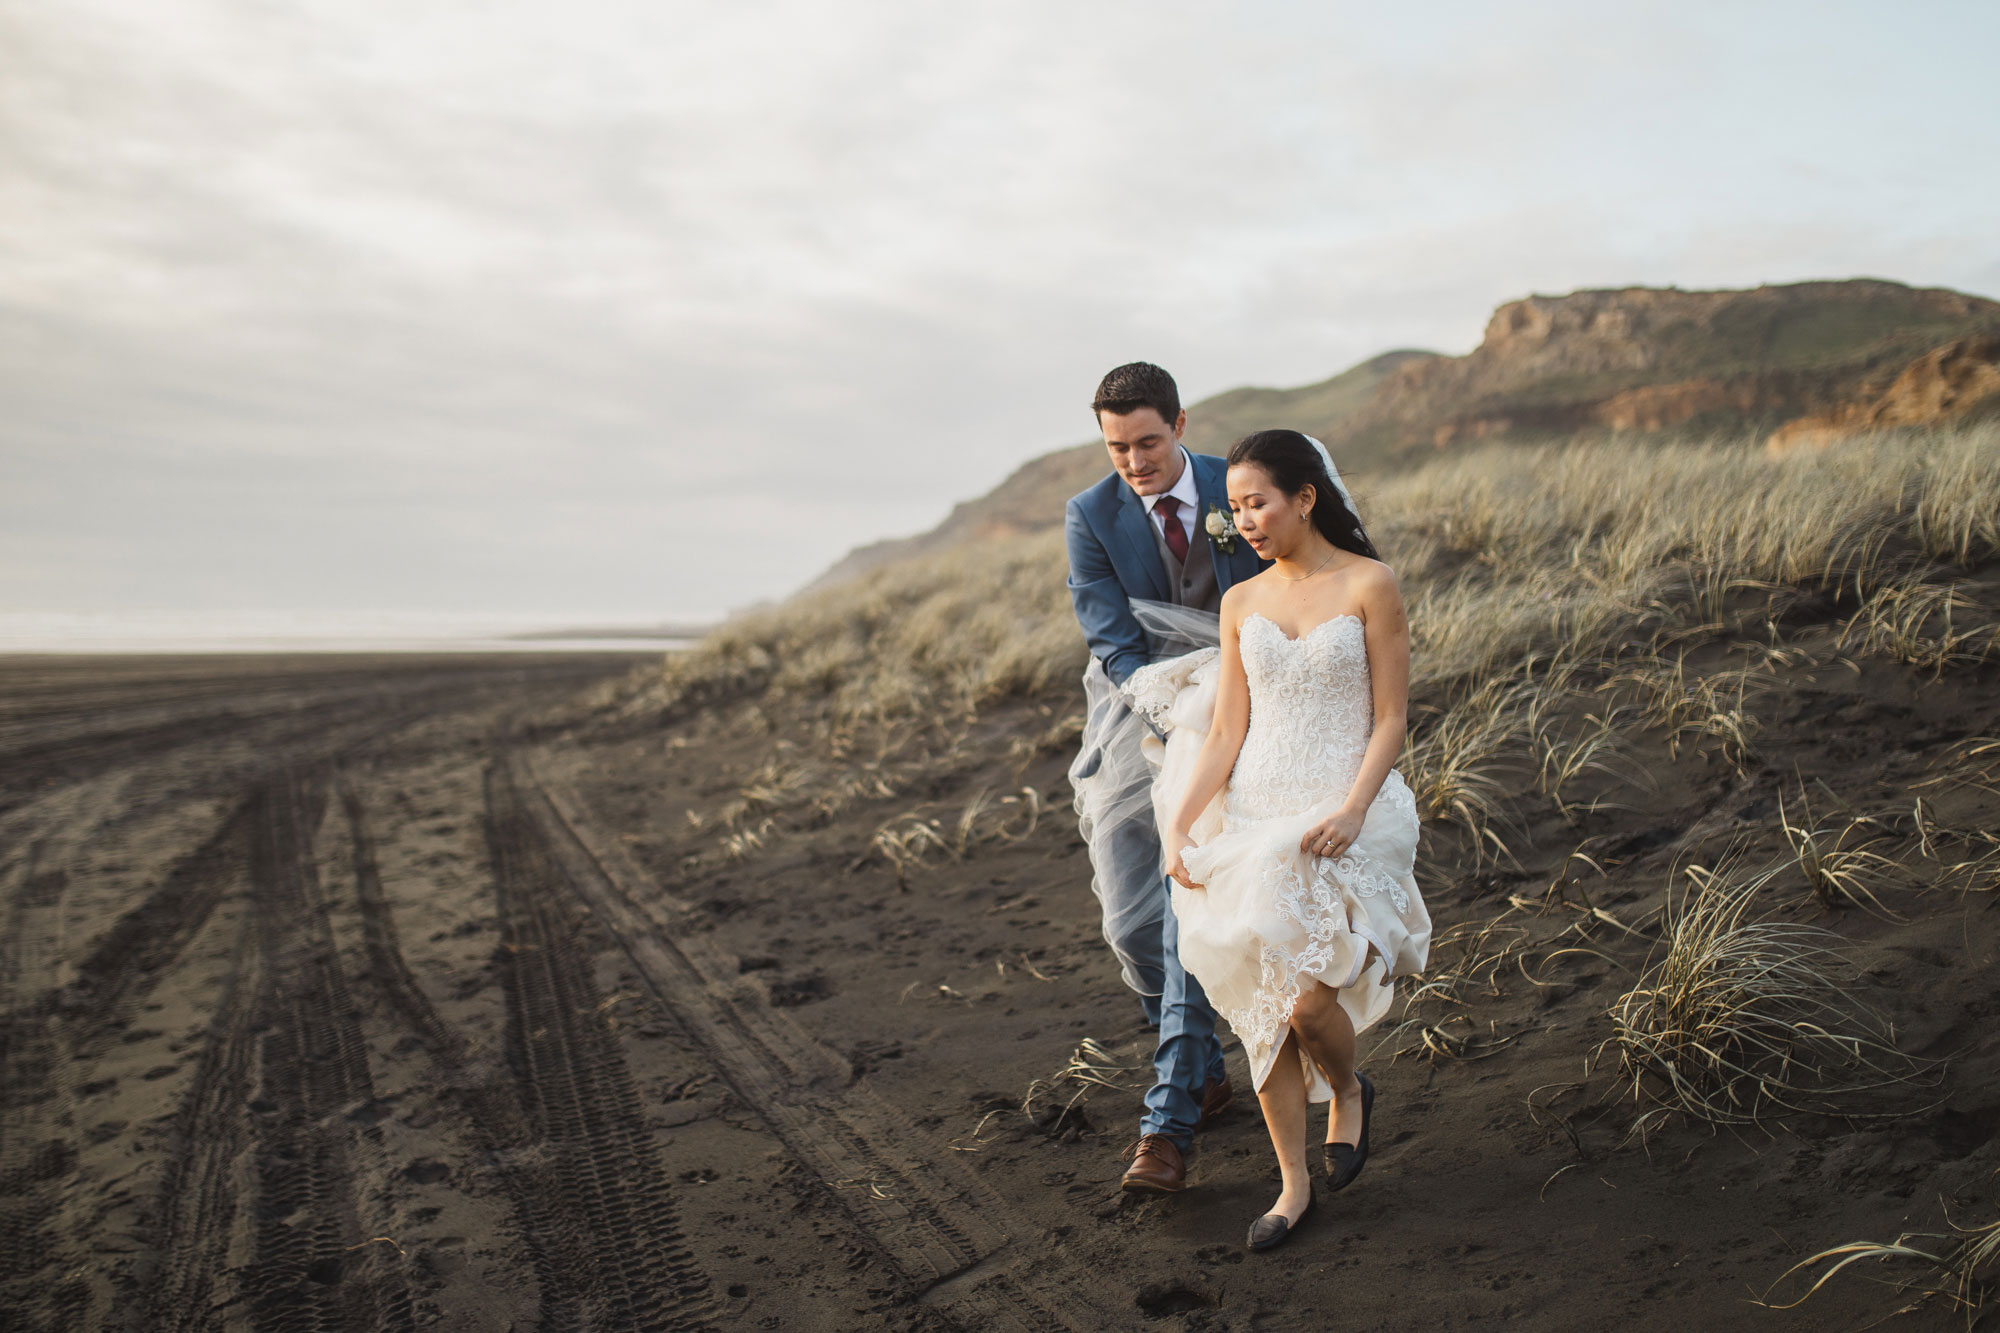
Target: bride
{"x":1289,"y":835}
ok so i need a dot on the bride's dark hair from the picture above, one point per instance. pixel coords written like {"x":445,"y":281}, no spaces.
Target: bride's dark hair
{"x":1292,"y":464}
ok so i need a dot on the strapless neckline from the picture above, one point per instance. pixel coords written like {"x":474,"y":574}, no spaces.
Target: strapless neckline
{"x":1301,"y":638}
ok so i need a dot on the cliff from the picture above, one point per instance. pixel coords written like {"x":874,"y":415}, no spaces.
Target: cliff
{"x":1646,"y":359}
{"x":1959,"y":379}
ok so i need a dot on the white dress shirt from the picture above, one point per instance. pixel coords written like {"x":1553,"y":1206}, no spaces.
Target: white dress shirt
{"x":1183,"y":490}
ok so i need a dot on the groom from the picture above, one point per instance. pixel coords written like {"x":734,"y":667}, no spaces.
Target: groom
{"x":1142,"y":533}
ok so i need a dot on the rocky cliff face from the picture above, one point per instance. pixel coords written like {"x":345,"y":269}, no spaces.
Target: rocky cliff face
{"x":1961,"y":377}
{"x":1646,"y":359}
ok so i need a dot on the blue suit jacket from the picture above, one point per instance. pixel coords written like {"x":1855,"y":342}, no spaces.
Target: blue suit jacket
{"x":1112,"y":559}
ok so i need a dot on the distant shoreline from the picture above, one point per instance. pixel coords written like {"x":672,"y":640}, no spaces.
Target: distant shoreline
{"x":675,"y":633}
{"x":266,"y":632}
{"x":522,"y":645}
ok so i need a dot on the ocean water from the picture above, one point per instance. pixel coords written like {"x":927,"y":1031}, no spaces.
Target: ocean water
{"x":299,"y":632}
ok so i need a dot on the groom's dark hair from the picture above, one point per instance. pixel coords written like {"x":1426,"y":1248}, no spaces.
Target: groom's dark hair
{"x":1139,"y":384}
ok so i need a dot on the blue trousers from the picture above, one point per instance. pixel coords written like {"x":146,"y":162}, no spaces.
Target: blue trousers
{"x":1188,"y":1056}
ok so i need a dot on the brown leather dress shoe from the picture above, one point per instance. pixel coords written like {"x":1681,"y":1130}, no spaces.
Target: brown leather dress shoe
{"x":1215,"y":1099}
{"x":1157,"y":1167}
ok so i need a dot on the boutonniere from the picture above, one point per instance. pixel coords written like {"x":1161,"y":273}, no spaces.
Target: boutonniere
{"x":1221,"y":530}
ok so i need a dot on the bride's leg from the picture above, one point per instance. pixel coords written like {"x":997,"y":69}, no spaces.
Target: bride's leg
{"x":1327,"y":1033}
{"x":1283,"y":1098}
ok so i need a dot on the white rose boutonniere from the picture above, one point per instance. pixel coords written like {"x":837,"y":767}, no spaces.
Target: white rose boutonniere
{"x":1221,"y":530}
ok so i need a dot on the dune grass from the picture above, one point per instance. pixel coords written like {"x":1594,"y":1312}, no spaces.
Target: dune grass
{"x":1960,"y":1268}
{"x":1467,"y":960}
{"x":1743,"y":1017}
{"x":939,"y":636}
{"x":1591,"y":550}
{"x":1563,"y":599}
{"x":1556,"y":594}
{"x":1598,"y":550}
{"x":1052,"y":1102}
{"x":1836,"y":854}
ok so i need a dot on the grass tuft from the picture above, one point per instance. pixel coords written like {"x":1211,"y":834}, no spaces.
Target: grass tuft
{"x":1974,"y":762}
{"x":1960,"y":1267}
{"x":1836,"y":855}
{"x":1923,"y":623}
{"x":1466,"y":763}
{"x":1699,"y":712}
{"x":1743,"y":1018}
{"x":1054,"y":1102}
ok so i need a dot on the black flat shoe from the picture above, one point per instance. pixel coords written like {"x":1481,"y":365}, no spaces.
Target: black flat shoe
{"x":1271,"y":1230}
{"x":1343,"y":1160}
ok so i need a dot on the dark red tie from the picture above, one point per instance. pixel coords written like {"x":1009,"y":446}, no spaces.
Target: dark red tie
{"x":1169,"y":509}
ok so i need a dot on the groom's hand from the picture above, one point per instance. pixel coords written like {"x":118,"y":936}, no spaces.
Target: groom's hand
{"x":1333,"y":835}
{"x":1176,"y":869}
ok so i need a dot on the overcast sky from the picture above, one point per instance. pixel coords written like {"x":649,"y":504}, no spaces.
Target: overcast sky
{"x":620,"y":309}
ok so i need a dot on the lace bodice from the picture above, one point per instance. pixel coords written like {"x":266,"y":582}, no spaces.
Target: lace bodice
{"x":1311,"y":713}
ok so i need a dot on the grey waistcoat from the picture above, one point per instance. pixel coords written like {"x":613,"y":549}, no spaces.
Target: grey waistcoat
{"x":1193,"y":584}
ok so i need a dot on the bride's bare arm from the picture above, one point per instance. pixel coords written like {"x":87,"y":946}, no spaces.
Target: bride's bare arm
{"x":1225,"y":738}
{"x":1387,"y":627}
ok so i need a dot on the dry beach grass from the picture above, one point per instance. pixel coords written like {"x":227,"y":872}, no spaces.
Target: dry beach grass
{"x":1508,"y":556}
{"x":1556,"y":594}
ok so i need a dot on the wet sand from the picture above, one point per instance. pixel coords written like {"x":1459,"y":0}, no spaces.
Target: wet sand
{"x":393,"y":993}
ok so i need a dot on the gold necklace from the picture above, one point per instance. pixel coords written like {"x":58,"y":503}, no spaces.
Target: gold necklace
{"x":1301,"y":578}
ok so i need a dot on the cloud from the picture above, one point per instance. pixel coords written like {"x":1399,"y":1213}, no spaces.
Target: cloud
{"x":656,"y":309}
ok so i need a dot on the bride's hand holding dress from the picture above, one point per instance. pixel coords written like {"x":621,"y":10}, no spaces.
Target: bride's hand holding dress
{"x":1334,"y":834}
{"x":1206,"y":711}
{"x":1176,"y":869}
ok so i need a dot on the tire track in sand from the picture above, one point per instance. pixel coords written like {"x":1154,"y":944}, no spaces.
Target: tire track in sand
{"x":257,"y":1207}
{"x":42,"y":1284}
{"x":115,"y":978}
{"x":607,"y":1245}
{"x":555,"y":1221}
{"x":313,"y":1268}
{"x":129,"y":959}
{"x":38,"y":1152}
{"x":387,"y":968}
{"x":232,"y":730}
{"x":944,"y":1233}
{"x":194,"y":1218}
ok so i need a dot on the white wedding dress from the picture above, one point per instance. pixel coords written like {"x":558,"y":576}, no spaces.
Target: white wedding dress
{"x":1268,"y":915}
